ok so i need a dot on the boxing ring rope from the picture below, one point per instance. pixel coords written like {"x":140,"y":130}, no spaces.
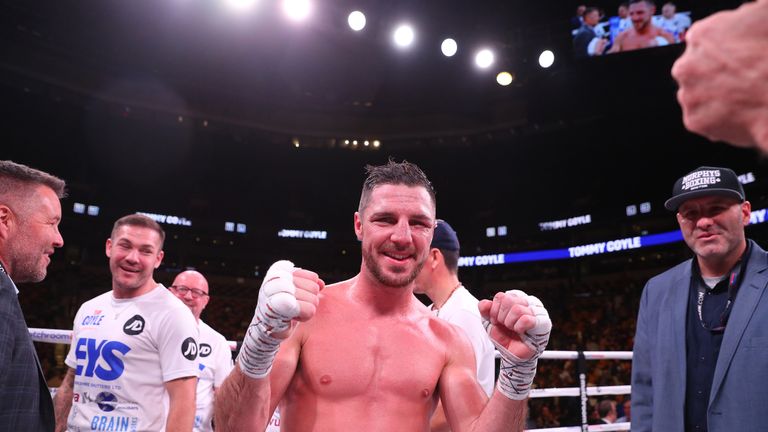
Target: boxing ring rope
{"x":65,"y":337}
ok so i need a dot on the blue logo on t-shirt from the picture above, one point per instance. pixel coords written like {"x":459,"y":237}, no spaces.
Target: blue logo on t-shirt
{"x":106,"y":401}
{"x":111,"y":352}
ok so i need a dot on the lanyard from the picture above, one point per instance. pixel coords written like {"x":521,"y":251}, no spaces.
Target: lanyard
{"x":734,"y":281}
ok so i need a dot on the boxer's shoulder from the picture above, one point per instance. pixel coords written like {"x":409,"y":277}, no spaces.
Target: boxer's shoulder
{"x":334,"y":296}
{"x":445,"y":333}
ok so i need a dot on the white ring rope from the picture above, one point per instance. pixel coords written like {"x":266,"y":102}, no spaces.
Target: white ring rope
{"x":65,"y":337}
{"x":574,"y":391}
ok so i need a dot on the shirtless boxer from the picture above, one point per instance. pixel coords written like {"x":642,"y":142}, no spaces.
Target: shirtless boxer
{"x":643,"y":33}
{"x":365,"y":354}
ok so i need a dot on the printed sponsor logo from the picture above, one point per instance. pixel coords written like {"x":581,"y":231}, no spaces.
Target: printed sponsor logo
{"x":106,"y":401}
{"x":114,"y":423}
{"x":205,"y":350}
{"x":134,"y":326}
{"x":189,"y":348}
{"x":92,"y":320}
{"x":103,"y":359}
{"x":54,"y":336}
{"x":700,"y":179}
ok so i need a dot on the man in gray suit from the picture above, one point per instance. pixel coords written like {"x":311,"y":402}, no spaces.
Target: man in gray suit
{"x":701,"y":351}
{"x":29,"y":232}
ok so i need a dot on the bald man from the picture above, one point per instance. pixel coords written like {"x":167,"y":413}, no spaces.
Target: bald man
{"x":215,"y":355}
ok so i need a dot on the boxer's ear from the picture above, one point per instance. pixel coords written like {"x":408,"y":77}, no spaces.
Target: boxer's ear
{"x":359,"y":226}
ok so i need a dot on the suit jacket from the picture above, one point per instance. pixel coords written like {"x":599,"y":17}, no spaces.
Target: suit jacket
{"x":25,"y":402}
{"x":739,"y":395}
{"x":581,"y":40}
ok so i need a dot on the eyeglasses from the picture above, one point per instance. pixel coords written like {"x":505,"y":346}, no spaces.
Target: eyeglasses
{"x":183,"y":290}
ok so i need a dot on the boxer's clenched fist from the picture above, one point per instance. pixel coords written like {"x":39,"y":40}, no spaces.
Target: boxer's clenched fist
{"x":519,"y":327}
{"x":287,"y":295}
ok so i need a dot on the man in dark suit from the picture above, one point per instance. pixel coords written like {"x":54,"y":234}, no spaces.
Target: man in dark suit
{"x":586,"y":42}
{"x":29,"y":232}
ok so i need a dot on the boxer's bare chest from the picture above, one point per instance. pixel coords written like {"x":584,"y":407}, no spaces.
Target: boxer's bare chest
{"x":635,"y":41}
{"x":348,"y":355}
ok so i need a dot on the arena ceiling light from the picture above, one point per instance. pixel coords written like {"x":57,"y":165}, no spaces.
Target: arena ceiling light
{"x":356,"y":20}
{"x":546,"y":58}
{"x":504,"y":78}
{"x":449,"y":47}
{"x":297,"y":10}
{"x":484,"y":58}
{"x":403,"y":35}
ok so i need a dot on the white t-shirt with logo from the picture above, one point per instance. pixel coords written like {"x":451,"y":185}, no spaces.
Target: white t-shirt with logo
{"x":461,"y":310}
{"x":215,"y":359}
{"x":123,"y":351}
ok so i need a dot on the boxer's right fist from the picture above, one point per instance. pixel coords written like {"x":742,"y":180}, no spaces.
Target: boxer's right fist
{"x":287,"y":295}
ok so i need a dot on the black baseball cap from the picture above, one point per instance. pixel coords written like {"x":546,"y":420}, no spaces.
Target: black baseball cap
{"x":445,"y":237}
{"x":705,"y":181}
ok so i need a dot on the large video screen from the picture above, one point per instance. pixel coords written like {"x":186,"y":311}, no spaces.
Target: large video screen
{"x":633,"y":25}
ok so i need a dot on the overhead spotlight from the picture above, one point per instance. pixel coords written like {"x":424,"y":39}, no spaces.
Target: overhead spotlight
{"x":484,"y":58}
{"x":354,"y":143}
{"x":296,"y":142}
{"x":356,"y":20}
{"x":504,"y":78}
{"x":546,"y":58}
{"x":404,"y":35}
{"x":449,"y":47}
{"x":376,"y":143}
{"x":241,"y":5}
{"x":297,"y":10}
{"x":366,"y":143}
{"x":346,"y":142}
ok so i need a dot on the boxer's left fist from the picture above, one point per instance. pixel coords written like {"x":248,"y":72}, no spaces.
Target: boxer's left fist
{"x":517,"y":322}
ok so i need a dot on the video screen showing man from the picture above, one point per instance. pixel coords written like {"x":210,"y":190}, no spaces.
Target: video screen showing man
{"x":643,"y":33}
{"x":634,"y":27}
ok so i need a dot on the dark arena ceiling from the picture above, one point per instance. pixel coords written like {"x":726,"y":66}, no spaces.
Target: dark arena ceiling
{"x":190,"y":108}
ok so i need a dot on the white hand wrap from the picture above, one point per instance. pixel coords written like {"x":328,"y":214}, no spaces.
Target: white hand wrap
{"x":276,"y":307}
{"x":516,"y":375}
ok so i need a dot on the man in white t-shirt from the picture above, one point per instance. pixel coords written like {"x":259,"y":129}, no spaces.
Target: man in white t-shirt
{"x":439,"y":280}
{"x":214,"y":355}
{"x":671,"y":21}
{"x":133,"y":363}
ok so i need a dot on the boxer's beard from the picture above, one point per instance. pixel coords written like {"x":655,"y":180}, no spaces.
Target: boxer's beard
{"x":394,"y":281}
